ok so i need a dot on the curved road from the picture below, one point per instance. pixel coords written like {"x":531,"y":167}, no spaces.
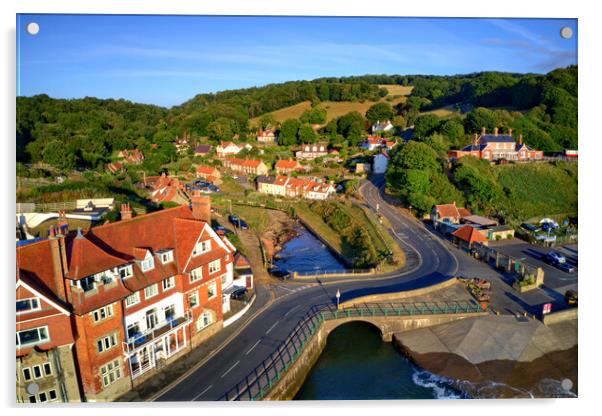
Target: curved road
{"x":428,"y":262}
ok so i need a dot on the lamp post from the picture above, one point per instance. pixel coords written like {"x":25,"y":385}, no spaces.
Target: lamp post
{"x":338,"y":296}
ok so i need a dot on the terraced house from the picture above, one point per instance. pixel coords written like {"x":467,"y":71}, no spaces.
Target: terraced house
{"x":105,"y":307}
{"x":246,"y":166}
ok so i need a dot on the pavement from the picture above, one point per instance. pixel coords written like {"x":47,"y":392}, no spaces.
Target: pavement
{"x":235,"y":357}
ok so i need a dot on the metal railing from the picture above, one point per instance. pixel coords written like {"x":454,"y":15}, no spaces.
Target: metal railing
{"x":341,"y":272}
{"x":258,"y":383}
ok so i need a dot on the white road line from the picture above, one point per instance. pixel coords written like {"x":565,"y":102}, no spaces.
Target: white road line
{"x":230,"y":369}
{"x":272,"y":327}
{"x":201,"y":393}
{"x":286,"y":288}
{"x":253,"y":347}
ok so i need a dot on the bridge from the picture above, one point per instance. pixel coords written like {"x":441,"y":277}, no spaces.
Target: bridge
{"x":280,"y":376}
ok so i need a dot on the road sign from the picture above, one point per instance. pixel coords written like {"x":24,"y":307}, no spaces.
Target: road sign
{"x":547,"y":308}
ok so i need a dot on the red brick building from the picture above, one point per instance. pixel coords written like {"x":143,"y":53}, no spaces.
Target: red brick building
{"x":136,"y":293}
{"x":496,"y":147}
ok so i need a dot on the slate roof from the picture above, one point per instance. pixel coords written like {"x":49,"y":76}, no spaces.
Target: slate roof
{"x":500,"y":138}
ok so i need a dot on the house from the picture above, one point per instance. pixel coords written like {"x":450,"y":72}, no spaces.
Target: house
{"x":242,"y":272}
{"x":500,"y":232}
{"x":225,"y":149}
{"x":381,"y":126}
{"x":246,"y":166}
{"x":497,"y":147}
{"x":182,"y":144}
{"x":447,"y":213}
{"x":202,"y":150}
{"x":132,"y":157}
{"x":380,"y":162}
{"x":467,"y":235}
{"x":283,"y":166}
{"x":267,"y":136}
{"x":122,"y":298}
{"x":168,"y":189}
{"x":363,"y":167}
{"x":209,"y":174}
{"x":311,"y":151}
{"x":295,"y":187}
{"x":114,"y":167}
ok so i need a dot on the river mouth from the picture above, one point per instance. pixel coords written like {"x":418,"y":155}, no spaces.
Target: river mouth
{"x":305,"y":254}
{"x":357,"y":365}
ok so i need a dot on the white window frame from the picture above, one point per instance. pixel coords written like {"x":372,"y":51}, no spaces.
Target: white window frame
{"x":132,"y":299}
{"x":196,"y":274}
{"x":194,"y":295}
{"x":97,"y":314}
{"x":211,"y":288}
{"x":27,"y":378}
{"x":48,"y":365}
{"x":40,"y":371}
{"x":215,"y":266}
{"x":167,"y":256}
{"x":147,"y":264}
{"x":224,"y":279}
{"x":106,"y":343}
{"x":152,"y":288}
{"x":168,"y":283}
{"x":40,"y":341}
{"x":204,"y":320}
{"x":128,"y":269}
{"x":33,"y":309}
{"x":201,"y":247}
{"x":112,"y":368}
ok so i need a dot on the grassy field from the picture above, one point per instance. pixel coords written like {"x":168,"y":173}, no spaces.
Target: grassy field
{"x":334,"y":109}
{"x":443,"y":112}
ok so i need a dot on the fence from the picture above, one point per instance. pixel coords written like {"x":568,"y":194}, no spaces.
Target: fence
{"x":333,"y":273}
{"x":263,"y":377}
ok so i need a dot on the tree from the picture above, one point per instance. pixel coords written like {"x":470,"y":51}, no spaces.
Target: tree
{"x":267,"y":120}
{"x":425,"y":125}
{"x":288,"y":132}
{"x":57,"y":154}
{"x":314,"y":115}
{"x":222,"y":128}
{"x":380,"y":111}
{"x":307,"y":134}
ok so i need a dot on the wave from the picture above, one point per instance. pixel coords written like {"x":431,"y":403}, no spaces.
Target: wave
{"x":442,"y":387}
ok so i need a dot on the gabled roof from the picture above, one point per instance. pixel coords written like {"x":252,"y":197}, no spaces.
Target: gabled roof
{"x":265,"y":179}
{"x":469,"y":234}
{"x":202,"y":148}
{"x":84,"y":258}
{"x":250,"y":163}
{"x":286,"y":164}
{"x":240,"y":261}
{"x":207,"y":170}
{"x":464,"y":212}
{"x":447,"y":210}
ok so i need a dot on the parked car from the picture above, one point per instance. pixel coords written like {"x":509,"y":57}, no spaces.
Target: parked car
{"x":233,"y":219}
{"x":239,"y":294}
{"x":571,"y":297}
{"x":566,"y":267}
{"x":242,"y":224}
{"x":555,"y":257}
{"x":280,"y":274}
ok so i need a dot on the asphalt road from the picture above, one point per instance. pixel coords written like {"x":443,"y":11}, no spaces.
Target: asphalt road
{"x":429,"y":262}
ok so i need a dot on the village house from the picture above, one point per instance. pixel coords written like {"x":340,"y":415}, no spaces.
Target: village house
{"x":373,"y":143}
{"x":311,"y":151}
{"x":182,"y":144}
{"x":379,"y":126}
{"x":247,"y":166}
{"x":295,"y":187}
{"x":497,"y":147}
{"x":167,"y":189}
{"x":447,"y":213}
{"x":114,"y":167}
{"x":225,"y":149}
{"x":380,"y":162}
{"x":209,"y":174}
{"x":466,"y":236}
{"x":102,"y":309}
{"x":284,"y":166}
{"x":361,"y":167}
{"x":131,"y":157}
{"x":267,"y":136}
{"x":500,"y":232}
{"x":202,"y":150}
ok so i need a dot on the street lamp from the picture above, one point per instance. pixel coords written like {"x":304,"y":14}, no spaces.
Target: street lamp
{"x":338,"y":296}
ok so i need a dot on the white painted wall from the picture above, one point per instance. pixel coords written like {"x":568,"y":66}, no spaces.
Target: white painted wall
{"x":177,"y":299}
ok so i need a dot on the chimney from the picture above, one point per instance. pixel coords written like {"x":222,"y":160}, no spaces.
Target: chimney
{"x":510,"y":132}
{"x":520,"y":139}
{"x":454,"y":203}
{"x":201,"y":208}
{"x":495,"y":131}
{"x":483,"y":131}
{"x":475,"y":139}
{"x":59,"y":263}
{"x":63,"y":225}
{"x":126,"y":212}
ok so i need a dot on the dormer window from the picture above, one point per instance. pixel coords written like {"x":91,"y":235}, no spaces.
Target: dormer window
{"x":126,"y":271}
{"x":166,"y":256}
{"x":147,"y":264}
{"x":201,"y":247}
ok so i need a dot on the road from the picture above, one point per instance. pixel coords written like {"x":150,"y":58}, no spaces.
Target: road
{"x":429,"y":261}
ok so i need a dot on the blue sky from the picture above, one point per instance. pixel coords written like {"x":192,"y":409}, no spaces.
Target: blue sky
{"x":166,"y":60}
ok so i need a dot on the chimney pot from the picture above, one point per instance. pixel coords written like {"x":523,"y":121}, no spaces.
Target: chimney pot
{"x":495,"y":131}
{"x":126,"y":212}
{"x":509,"y":132}
{"x":483,"y":130}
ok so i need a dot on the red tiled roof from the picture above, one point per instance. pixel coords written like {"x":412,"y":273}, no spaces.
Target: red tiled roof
{"x":447,"y":211}
{"x":207,"y":170}
{"x":84,"y":258}
{"x":241,"y":261}
{"x":286,"y":164}
{"x":464,"y":212}
{"x":34,"y":260}
{"x":251,"y":163}
{"x":469,"y":234}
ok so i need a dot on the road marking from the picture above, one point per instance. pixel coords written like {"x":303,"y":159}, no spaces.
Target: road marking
{"x":253,"y":347}
{"x":230,"y":369}
{"x":286,"y":288}
{"x":272,"y":327}
{"x":201,"y":393}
